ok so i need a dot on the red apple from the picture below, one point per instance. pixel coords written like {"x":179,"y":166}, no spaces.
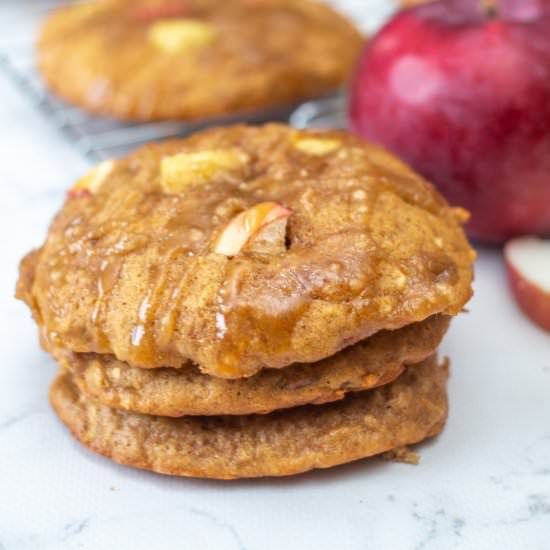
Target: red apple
{"x":528,"y":266}
{"x":460,"y":89}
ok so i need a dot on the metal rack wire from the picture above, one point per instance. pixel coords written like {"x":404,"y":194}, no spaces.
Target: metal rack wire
{"x":100,"y":138}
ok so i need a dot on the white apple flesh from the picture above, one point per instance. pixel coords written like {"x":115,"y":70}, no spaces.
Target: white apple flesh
{"x":528,"y":267}
{"x":260,"y":229}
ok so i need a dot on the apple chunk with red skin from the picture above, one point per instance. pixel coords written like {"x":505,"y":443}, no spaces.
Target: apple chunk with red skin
{"x":461,"y":91}
{"x":91,"y":183}
{"x":528,"y":267}
{"x":159,"y":9}
{"x":261,"y":229}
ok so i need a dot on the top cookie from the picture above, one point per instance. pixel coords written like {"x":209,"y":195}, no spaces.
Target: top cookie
{"x":246,"y":247}
{"x":188,"y":59}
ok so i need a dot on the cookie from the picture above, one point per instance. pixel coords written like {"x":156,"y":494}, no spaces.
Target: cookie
{"x":246,"y":247}
{"x":375,"y":361}
{"x":190,"y":59}
{"x":411,"y":409}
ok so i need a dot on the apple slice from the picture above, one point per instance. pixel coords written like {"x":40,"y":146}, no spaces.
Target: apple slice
{"x":180,"y":35}
{"x":261,"y":229}
{"x":528,"y":266}
{"x":162,"y":9}
{"x":92,"y":181}
{"x":317,"y":146}
{"x":183,"y":170}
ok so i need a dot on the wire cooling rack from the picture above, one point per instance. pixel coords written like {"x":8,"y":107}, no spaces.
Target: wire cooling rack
{"x":100,"y":138}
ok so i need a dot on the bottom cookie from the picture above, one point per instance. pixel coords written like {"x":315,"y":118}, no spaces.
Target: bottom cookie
{"x":411,"y":409}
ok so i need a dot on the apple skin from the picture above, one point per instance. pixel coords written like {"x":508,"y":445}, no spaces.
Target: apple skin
{"x":534,"y":302}
{"x":162,"y":9}
{"x":532,"y":299}
{"x":264,"y":223}
{"x":464,"y":98}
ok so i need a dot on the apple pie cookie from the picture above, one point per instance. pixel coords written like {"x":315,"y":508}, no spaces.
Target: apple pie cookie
{"x":243,"y":248}
{"x":190,"y":59}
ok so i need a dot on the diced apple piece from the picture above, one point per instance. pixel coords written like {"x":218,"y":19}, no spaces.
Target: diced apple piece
{"x":183,"y":170}
{"x":528,"y":266}
{"x":93,"y":180}
{"x":179,"y":35}
{"x":162,"y":9}
{"x":316,"y":146}
{"x":261,"y":228}
{"x":270,"y":238}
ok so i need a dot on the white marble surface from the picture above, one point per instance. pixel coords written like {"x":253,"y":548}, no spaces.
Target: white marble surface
{"x":483,"y":485}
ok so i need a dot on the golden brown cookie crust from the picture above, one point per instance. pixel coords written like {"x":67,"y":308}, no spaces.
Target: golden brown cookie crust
{"x":262,"y":53}
{"x":131,"y":271}
{"x":411,"y":409}
{"x":373,"y":362}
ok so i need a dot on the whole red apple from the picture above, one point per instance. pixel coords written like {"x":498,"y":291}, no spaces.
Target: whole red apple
{"x":460,"y":89}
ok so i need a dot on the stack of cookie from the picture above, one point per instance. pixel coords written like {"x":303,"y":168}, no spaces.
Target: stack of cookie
{"x":250,"y":301}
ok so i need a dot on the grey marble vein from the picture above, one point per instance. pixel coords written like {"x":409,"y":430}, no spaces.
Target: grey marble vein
{"x":74,"y":528}
{"x":227,"y":527}
{"x":535,"y":507}
{"x":9,"y":421}
{"x":438,"y":524}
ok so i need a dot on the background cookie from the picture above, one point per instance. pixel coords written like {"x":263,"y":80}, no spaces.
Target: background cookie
{"x":375,"y":361}
{"x":190,"y":59}
{"x":409,"y":410}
